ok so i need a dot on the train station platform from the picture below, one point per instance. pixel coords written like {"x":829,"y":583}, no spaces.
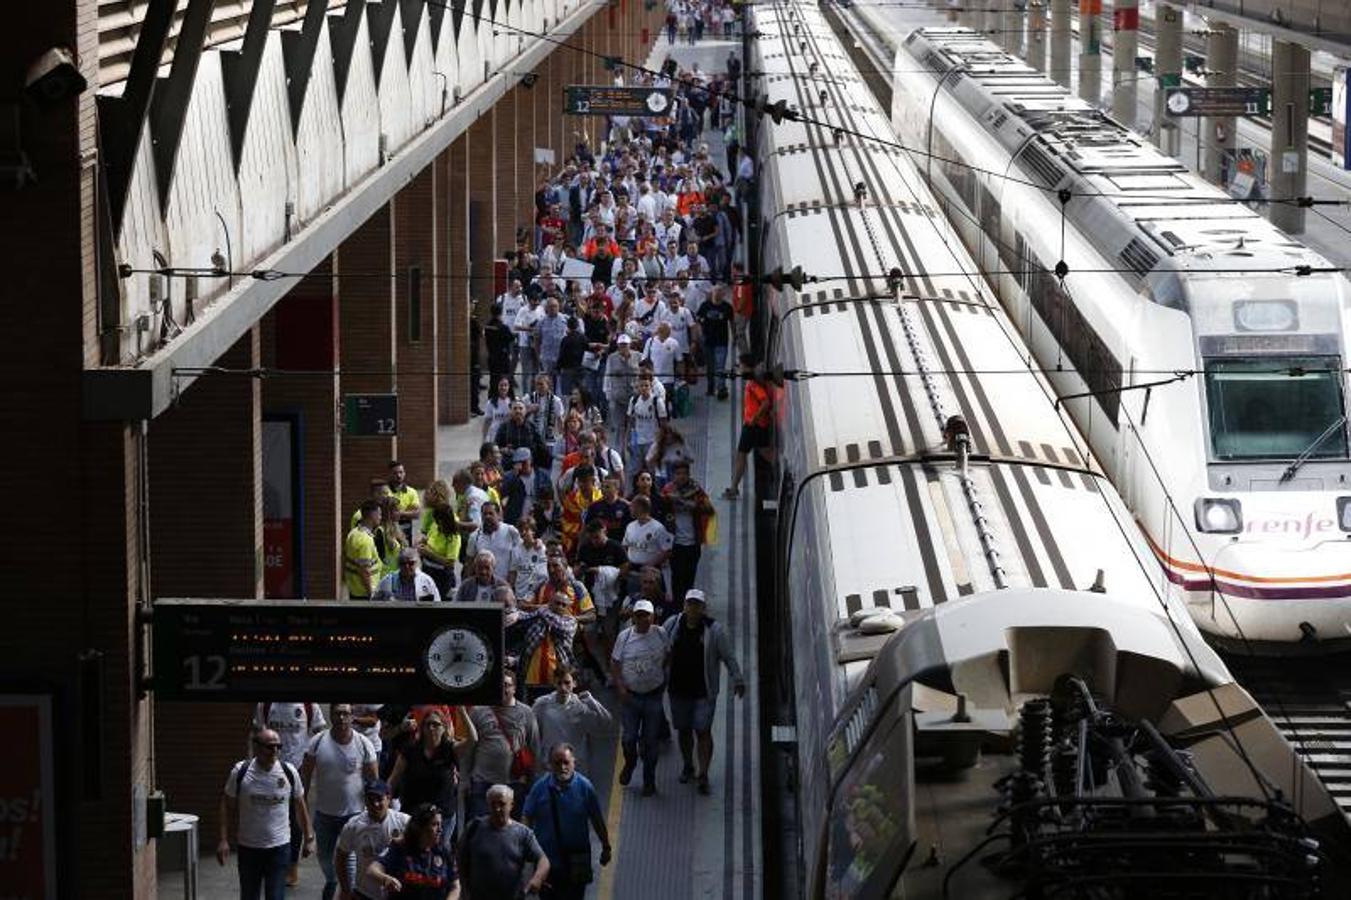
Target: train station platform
{"x":678,"y":845}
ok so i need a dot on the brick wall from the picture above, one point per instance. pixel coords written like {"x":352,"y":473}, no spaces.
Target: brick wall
{"x":417,"y":224}
{"x":366,"y":344}
{"x":206,"y":541}
{"x":508,"y":164}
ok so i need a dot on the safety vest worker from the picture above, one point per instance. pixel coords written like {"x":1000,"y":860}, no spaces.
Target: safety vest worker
{"x":360,"y":560}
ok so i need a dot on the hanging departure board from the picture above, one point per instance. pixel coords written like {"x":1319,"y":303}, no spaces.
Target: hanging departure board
{"x":328,"y":651}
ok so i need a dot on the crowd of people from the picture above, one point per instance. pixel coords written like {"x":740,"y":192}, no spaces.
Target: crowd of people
{"x":581,"y":517}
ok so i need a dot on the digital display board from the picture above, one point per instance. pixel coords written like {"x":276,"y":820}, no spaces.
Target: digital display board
{"x":328,"y":651}
{"x":1218,"y":101}
{"x":602,"y":100}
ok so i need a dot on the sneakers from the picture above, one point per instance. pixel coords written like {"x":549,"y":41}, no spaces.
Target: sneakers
{"x":626,"y":773}
{"x":722,"y":395}
{"x":686,"y":774}
{"x":649,"y":789}
{"x":703,"y":785}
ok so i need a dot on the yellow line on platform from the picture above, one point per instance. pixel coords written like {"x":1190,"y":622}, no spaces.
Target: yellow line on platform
{"x":613,"y":808}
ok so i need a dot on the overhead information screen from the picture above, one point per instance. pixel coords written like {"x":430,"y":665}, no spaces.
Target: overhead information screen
{"x":604,"y":100}
{"x":329,"y":651}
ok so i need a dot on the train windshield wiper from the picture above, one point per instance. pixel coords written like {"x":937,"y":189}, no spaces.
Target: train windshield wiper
{"x":1300,"y":460}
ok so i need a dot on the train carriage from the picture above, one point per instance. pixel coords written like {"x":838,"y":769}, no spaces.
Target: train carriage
{"x":947,"y":547}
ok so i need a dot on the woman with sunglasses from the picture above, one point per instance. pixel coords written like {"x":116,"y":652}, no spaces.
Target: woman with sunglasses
{"x":428,"y":770}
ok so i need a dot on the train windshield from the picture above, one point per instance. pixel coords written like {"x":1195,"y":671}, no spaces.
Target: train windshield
{"x":1259,"y":410}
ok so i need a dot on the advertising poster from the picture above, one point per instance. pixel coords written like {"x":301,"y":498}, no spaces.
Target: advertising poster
{"x":279,"y":510}
{"x":27,"y":799}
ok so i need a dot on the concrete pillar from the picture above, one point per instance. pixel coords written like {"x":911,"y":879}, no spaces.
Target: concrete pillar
{"x":1061,"y":70}
{"x":300,"y":334}
{"x":366,"y":345}
{"x":1090,"y":51}
{"x":1168,"y":72}
{"x":206,"y":531}
{"x":1219,"y":132}
{"x":1125,"y":80}
{"x":1036,"y":35}
{"x":1010,"y":26}
{"x":1289,"y":133}
{"x":455,"y":384}
{"x":417,"y":292}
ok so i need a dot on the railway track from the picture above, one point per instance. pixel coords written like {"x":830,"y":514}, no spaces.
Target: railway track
{"x":1308,"y":699}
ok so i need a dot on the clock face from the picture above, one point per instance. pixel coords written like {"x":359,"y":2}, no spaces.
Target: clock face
{"x":656,"y":101}
{"x":458,"y":659}
{"x":1179,"y":102}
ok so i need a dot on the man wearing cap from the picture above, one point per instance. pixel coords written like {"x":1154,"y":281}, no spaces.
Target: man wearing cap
{"x":520,"y":487}
{"x":365,"y":836}
{"x":638,"y":665}
{"x":409,"y":582}
{"x":699,"y":645}
{"x":621,"y":371}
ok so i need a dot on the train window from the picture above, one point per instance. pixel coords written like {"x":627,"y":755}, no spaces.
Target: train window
{"x":1260,"y":411}
{"x":868,"y":833}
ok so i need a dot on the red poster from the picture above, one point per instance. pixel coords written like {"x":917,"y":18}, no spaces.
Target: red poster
{"x":27,"y":801}
{"x":1126,"y":18}
{"x":278,"y":556}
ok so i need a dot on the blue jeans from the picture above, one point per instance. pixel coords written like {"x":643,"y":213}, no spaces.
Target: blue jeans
{"x":642,"y":716}
{"x":529,"y":369}
{"x":326,"y":831}
{"x":715,"y":360}
{"x":263,"y":869}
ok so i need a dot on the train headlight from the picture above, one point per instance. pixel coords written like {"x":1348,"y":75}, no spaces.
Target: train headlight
{"x":1219,"y":515}
{"x":1344,"y":513}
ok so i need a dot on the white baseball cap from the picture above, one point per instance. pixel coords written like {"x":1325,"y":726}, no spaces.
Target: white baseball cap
{"x":696,"y":595}
{"x":643,"y":606}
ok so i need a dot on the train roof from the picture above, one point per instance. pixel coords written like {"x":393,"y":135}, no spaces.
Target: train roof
{"x":1142,"y":208}
{"x":903,"y":531}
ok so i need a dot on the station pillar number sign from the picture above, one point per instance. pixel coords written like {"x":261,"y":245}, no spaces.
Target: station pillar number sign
{"x":328,"y":651}
{"x":603,"y":100}
{"x":1223,"y":101}
{"x":370,"y":415}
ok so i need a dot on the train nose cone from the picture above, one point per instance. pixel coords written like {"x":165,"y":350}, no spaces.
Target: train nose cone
{"x":1264,"y":592}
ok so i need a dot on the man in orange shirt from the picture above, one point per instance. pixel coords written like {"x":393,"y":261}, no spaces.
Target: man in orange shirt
{"x":757,"y":410}
{"x":575,"y":504}
{"x":601,"y":242}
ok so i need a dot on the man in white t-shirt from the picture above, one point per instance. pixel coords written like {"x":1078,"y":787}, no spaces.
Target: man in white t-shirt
{"x":645,"y":414}
{"x":638,"y":663}
{"x":663,"y":350}
{"x":264,"y":794}
{"x":511,"y":302}
{"x":497,"y":537}
{"x":337,"y":763}
{"x":527,"y":317}
{"x":295,"y":722}
{"x":679,"y":319}
{"x":365,"y":836}
{"x":646,"y":541}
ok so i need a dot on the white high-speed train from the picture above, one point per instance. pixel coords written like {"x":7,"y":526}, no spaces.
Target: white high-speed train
{"x":950,"y":568}
{"x":1238,"y":471}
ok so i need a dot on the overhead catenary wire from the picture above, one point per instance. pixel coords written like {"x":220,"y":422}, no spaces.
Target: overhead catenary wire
{"x":615,"y":62}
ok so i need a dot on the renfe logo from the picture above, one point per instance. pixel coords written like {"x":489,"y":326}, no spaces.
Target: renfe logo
{"x":1308,"y":526}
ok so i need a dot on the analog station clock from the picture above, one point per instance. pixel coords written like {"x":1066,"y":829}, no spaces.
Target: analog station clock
{"x":458,"y":658}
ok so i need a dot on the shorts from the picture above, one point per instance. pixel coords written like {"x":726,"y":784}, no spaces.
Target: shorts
{"x":690,"y":712}
{"x":753,"y":437}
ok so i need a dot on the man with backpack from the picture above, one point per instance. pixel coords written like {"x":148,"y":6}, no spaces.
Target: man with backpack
{"x":265,"y":797}
{"x":296,"y":723}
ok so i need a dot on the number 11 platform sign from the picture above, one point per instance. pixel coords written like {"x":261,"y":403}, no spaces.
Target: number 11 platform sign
{"x":328,"y":651}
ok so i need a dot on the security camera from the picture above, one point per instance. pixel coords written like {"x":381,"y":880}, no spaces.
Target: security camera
{"x":54,"y":77}
{"x":528,"y":80}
